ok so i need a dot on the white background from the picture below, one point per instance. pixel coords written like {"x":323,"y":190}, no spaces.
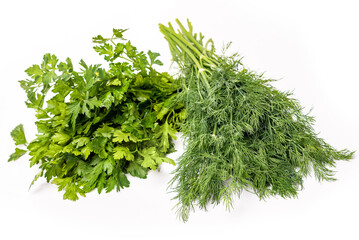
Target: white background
{"x":312,"y":46}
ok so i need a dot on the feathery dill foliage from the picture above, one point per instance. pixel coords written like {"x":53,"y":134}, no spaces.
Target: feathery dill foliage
{"x":240,"y":132}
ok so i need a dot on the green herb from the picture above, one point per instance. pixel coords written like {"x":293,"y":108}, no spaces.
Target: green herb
{"x":95,"y":126}
{"x":240,"y":132}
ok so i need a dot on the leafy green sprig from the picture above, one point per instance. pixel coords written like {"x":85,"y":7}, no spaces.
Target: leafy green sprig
{"x":95,"y":126}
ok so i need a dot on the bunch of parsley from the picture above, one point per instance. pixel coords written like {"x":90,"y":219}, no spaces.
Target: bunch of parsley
{"x":95,"y":126}
{"x":240,"y":132}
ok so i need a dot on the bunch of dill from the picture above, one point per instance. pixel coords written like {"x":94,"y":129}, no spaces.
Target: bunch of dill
{"x":240,"y":132}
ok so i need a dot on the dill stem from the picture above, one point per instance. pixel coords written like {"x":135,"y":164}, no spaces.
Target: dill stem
{"x":200,"y":50}
{"x":186,"y":47}
{"x":215,"y":129}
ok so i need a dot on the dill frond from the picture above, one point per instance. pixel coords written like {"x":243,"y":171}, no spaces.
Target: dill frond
{"x":240,"y":132}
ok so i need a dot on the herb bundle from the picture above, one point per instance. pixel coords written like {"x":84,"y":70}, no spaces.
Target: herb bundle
{"x":97,"y":125}
{"x":240,"y":132}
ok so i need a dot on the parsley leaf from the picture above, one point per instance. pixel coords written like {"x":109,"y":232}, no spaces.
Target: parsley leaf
{"x":18,"y":135}
{"x":17,"y":154}
{"x":98,"y":124}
